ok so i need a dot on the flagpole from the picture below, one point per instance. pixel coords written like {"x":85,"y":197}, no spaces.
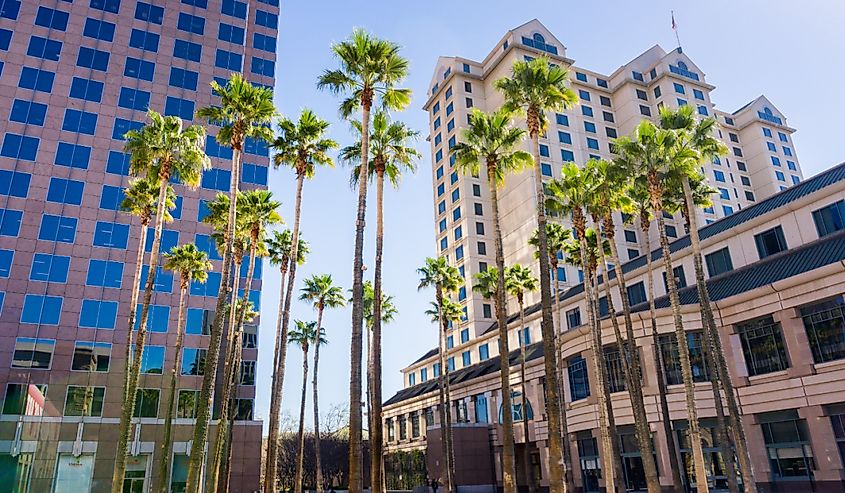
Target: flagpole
{"x":675,"y":28}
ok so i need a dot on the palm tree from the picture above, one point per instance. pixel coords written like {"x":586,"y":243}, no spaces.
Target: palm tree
{"x":697,"y":136}
{"x":490,"y":140}
{"x":279,"y":247}
{"x":652,"y":151}
{"x":534,"y":88}
{"x":570,"y":195}
{"x":610,"y":182}
{"x":390,"y":156}
{"x":192,"y":265}
{"x":518,"y":281}
{"x":639,"y":195}
{"x":303,"y":146}
{"x":445,"y":279}
{"x":303,"y":336}
{"x":370,"y":69}
{"x":321,"y":291}
{"x":160,"y":149}
{"x":141,"y":200}
{"x":256,"y":210}
{"x":244,"y":113}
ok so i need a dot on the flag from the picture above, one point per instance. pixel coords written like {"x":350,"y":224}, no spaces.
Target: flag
{"x":674,"y":25}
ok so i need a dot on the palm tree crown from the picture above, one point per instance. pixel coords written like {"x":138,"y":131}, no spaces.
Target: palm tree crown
{"x":279,"y":247}
{"x":438,"y":273}
{"x":487,"y":283}
{"x":519,"y":280}
{"x":389,"y":154}
{"x":246,"y":111}
{"x":322,"y":293}
{"x":452,"y":311}
{"x":303,"y":335}
{"x":141,"y":198}
{"x":162,"y":148}
{"x":256,"y":211}
{"x":302,"y":145}
{"x":191,"y":263}
{"x":490,"y":140}
{"x":388,"y":307}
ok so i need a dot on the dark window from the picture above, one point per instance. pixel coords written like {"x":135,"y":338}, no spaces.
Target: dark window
{"x":139,"y":69}
{"x":93,"y":59}
{"x":573,"y":318}
{"x":671,"y":357}
{"x":44,"y":48}
{"x":479,"y":228}
{"x":830,"y":219}
{"x":712,"y":455}
{"x":763,"y":346}
{"x":51,"y":18}
{"x":588,"y":457}
{"x":636,"y":294}
{"x":187,"y":50}
{"x":719,"y":262}
{"x":191,"y":23}
{"x":234,"y":8}
{"x":680,"y":278}
{"x":146,"y":403}
{"x":36,"y":79}
{"x":108,"y":5}
{"x":579,"y":383}
{"x":99,"y":29}
{"x":144,"y":40}
{"x":825,"y":326}
{"x":613,"y":367}
{"x":149,"y":13}
{"x":787,"y":444}
{"x":770,"y":242}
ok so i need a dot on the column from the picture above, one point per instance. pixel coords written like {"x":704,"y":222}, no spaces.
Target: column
{"x":797,"y":344}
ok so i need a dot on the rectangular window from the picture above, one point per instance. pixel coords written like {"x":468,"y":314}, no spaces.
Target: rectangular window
{"x":65,"y":191}
{"x":266,"y":19}
{"x":668,"y":344}
{"x":10,"y":222}
{"x":72,"y":155}
{"x":592,"y":143}
{"x":57,"y":228}
{"x":263,"y":67}
{"x":254,"y":173}
{"x":247,"y":373}
{"x":49,"y":268}
{"x":573,"y":318}
{"x":144,"y":40}
{"x":191,"y":23}
{"x":93,"y":59}
{"x":111,"y":235}
{"x":825,"y":326}
{"x":101,"y":30}
{"x":562,"y":119}
{"x":466,"y":358}
{"x":36,"y":79}
{"x":104,"y":273}
{"x":830,"y":219}
{"x":182,"y":108}
{"x":91,"y":356}
{"x":264,"y":43}
{"x":636,"y":293}
{"x":186,"y":406}
{"x":187,"y":50}
{"x":28,"y":112}
{"x":19,"y":147}
{"x":787,"y":445}
{"x":9,"y":9}
{"x":83,"y":122}
{"x":763,"y":346}
{"x":216,"y":179}
{"x":14,"y":183}
{"x":586,"y":111}
{"x":146,"y":403}
{"x":209,"y":288}
{"x":45,"y":48}
{"x":38,"y":309}
{"x":133,"y":99}
{"x":89,"y":90}
{"x":228,"y":60}
{"x":645,"y":110}
{"x":198,"y":321}
{"x":152,"y":361}
{"x":193,"y":361}
{"x":106,"y":5}
{"x":33,"y":354}
{"x":579,"y":381}
{"x":6,"y":258}
{"x":98,"y":314}
{"x":158,"y":318}
{"x":770,"y":242}
{"x":184,"y":79}
{"x":84,"y":401}
{"x":149,"y":13}
{"x":139,"y":69}
{"x":719,"y":262}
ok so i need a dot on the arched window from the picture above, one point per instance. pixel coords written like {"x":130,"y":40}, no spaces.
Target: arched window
{"x":538,"y":38}
{"x":767,"y":110}
{"x":517,"y":411}
{"x":682,"y":65}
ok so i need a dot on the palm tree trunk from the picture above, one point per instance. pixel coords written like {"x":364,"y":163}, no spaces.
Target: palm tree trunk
{"x":374,"y":377}
{"x":677,"y":482}
{"x":135,"y":368}
{"x":275,"y":393}
{"x":564,"y":426}
{"x":605,"y":430}
{"x":300,"y":437}
{"x":213,"y":354}
{"x":717,"y":353}
{"x":444,"y":403}
{"x":167,"y":444}
{"x":226,"y":394}
{"x":526,"y":456}
{"x":555,"y":443}
{"x":508,"y":462}
{"x":317,"y":459}
{"x":630,"y":362}
{"x":133,"y":303}
{"x":656,"y":194}
{"x":355,"y":439}
{"x":282,"y":345}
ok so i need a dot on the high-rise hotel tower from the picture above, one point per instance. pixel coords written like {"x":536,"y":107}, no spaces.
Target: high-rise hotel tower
{"x":74,"y":77}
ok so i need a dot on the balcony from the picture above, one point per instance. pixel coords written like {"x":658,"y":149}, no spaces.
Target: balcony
{"x":683,"y":72}
{"x":769,"y":118}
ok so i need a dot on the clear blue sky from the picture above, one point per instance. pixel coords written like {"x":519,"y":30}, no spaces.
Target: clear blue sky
{"x":745,"y":48}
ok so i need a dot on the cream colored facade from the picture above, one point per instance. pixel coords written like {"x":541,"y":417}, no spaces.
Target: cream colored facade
{"x":610,"y":106}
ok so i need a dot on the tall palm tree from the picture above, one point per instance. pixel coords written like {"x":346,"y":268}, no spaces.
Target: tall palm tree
{"x":490,"y":142}
{"x":697,"y":135}
{"x":390,"y":156}
{"x":445,"y":279}
{"x":558,"y":236}
{"x":279,"y":247}
{"x":245,"y":112}
{"x":570,"y":195}
{"x":518,"y":281}
{"x":639,"y":195}
{"x":192,"y":265}
{"x":534,"y":88}
{"x":303,"y":146}
{"x":141,"y":200}
{"x":370,"y":71}
{"x":256,"y":210}
{"x":653,"y":150}
{"x":304,"y":335}
{"x":160,"y":149}
{"x":610,"y":182}
{"x":322,"y":293}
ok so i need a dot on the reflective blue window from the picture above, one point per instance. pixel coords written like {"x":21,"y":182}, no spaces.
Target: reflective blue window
{"x":57,"y":228}
{"x":38,"y":309}
{"x":96,"y":314}
{"x":51,"y":18}
{"x":266,"y":19}
{"x":169,"y":239}
{"x":263,"y":67}
{"x":562,"y":119}
{"x":203,"y":4}
{"x":152,"y":361}
{"x":118,"y":163}
{"x":93,"y":59}
{"x":6,"y":258}
{"x":122,"y":126}
{"x":228,"y":60}
{"x":187,"y":50}
{"x":98,"y":29}
{"x":19,"y":147}
{"x":230,"y":33}
{"x":139,"y":69}
{"x":586,"y":111}
{"x":36,"y":79}
{"x":191,"y":23}
{"x":546,"y":169}
{"x":65,"y":191}
{"x":720,"y":177}
{"x":89,"y":90}
{"x":202,"y":210}
{"x":111,"y":198}
{"x":590,"y":127}
{"x":44,"y":48}
{"x":216,"y":179}
{"x":592,"y":143}
{"x":182,"y":108}
{"x":72,"y":155}
{"x":111,"y":235}
{"x":149,"y":13}
{"x":144,"y":40}
{"x":14,"y":183}
{"x":28,"y":112}
{"x":163,"y":282}
{"x":208,"y":245}
{"x":157,"y":318}
{"x":133,"y":99}
{"x":107,"y":5}
{"x":544,"y":150}
{"x":679,"y":88}
{"x":185,"y":79}
{"x":253,"y":173}
{"x":567,"y":155}
{"x":82,"y":122}
{"x":10,"y":222}
{"x":263,"y":43}
{"x":209,"y":288}
{"x":775,"y":161}
{"x":197,"y":321}
{"x":9,"y":9}
{"x":697,"y":94}
{"x":104,"y":273}
{"x":584,"y":95}
{"x":49,"y":268}
{"x":780,"y":176}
